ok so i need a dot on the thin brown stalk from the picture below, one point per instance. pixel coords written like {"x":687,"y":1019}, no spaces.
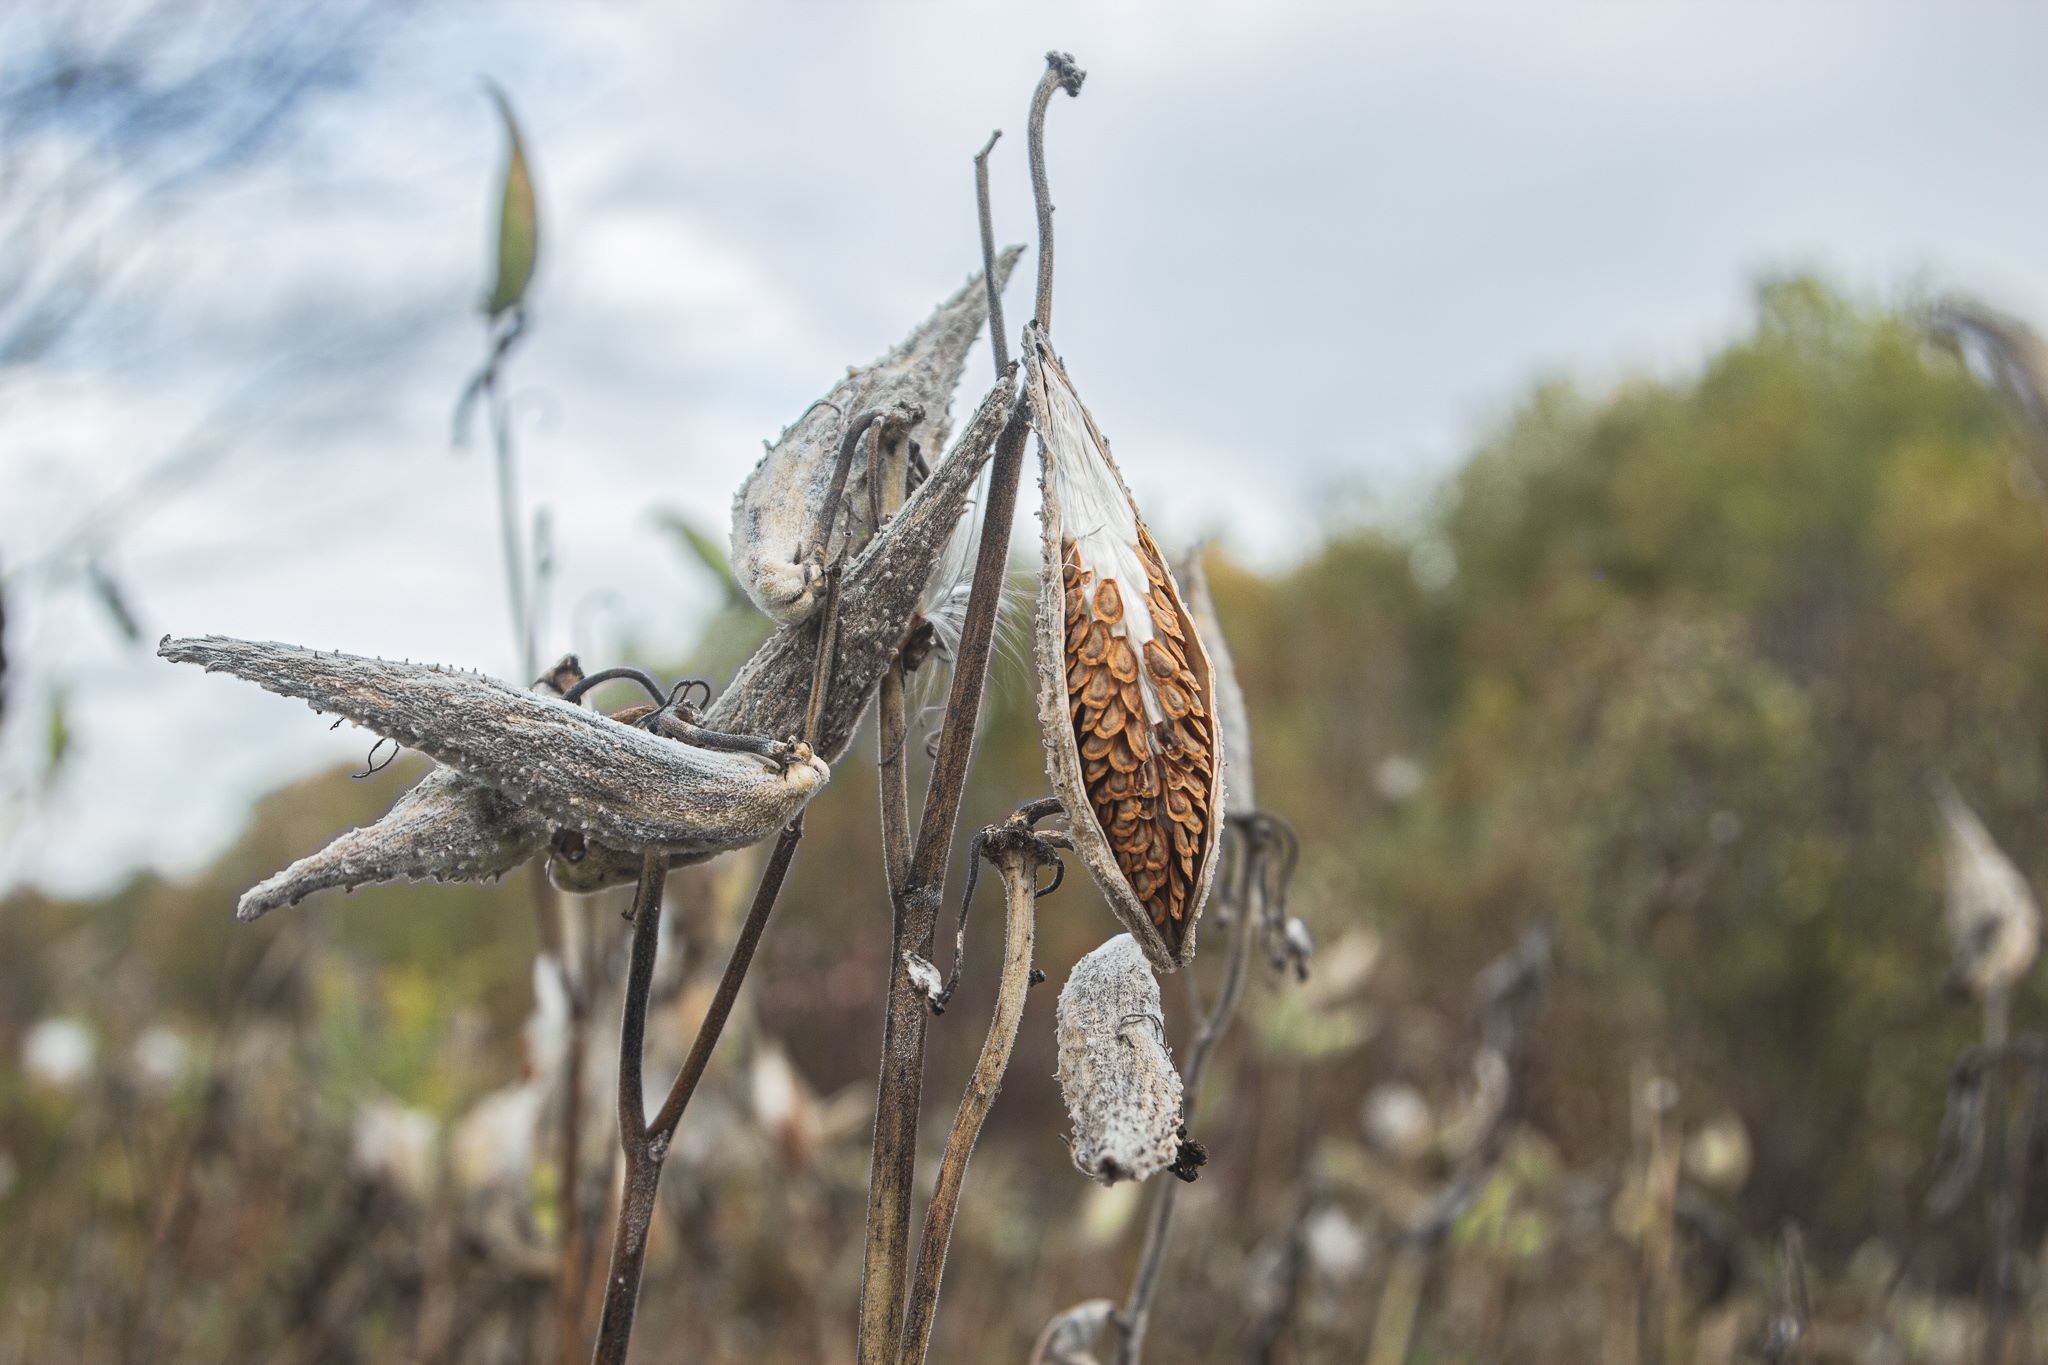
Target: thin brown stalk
{"x":646,"y":1144}
{"x":1248,"y":909}
{"x":643,"y":1151}
{"x":1060,"y":74}
{"x":999,"y":341}
{"x":1017,"y":854}
{"x":885,"y":1265}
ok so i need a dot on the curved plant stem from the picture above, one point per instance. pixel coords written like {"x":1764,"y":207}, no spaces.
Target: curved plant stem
{"x":1247,"y":911}
{"x":1018,"y":860}
{"x":885,"y":1265}
{"x":646,"y":1143}
{"x":643,"y":1153}
{"x":1060,"y":74}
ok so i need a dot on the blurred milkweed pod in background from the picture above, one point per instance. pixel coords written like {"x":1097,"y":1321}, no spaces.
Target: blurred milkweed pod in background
{"x":1994,"y":924}
{"x":1123,"y":1093}
{"x":1126,"y":699}
{"x":2012,"y":356}
{"x":778,"y":512}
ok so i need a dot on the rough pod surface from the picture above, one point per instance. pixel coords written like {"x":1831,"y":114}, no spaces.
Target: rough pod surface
{"x":580,"y":770}
{"x":777,"y":511}
{"x":1127,"y":705}
{"x":1122,"y":1091}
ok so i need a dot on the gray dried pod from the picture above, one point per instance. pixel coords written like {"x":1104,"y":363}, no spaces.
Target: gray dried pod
{"x":1126,"y":696}
{"x":617,"y":783}
{"x":777,"y":512}
{"x":883,"y":588}
{"x":448,"y":827}
{"x":1123,"y":1094}
{"x":1994,"y":926}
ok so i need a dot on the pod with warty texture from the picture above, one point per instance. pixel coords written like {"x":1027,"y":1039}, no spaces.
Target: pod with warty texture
{"x":1122,"y":1091}
{"x":778,"y":510}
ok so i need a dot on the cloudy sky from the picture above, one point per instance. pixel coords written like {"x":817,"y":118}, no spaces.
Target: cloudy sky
{"x":1306,"y":254}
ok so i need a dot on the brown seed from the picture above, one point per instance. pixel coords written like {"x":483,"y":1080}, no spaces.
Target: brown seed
{"x":1160,"y":664}
{"x":1100,"y":689}
{"x":1112,"y":719}
{"x":1132,"y":698}
{"x":1095,"y":748}
{"x":1109,"y":602}
{"x":1165,"y":617}
{"x":1076,"y":634}
{"x":1119,"y":784}
{"x":1123,"y":665}
{"x":1120,"y":756}
{"x":1094,"y":646}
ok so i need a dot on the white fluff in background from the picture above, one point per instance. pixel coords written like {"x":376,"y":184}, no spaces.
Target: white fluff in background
{"x":1994,"y":926}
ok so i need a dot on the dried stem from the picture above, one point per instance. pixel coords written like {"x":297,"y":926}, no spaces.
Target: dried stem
{"x":899,"y":1091}
{"x":646,"y":1144}
{"x":899,"y":1096}
{"x":1060,"y":74}
{"x":1017,"y":854}
{"x":1248,"y":911}
{"x":644,"y":1152}
{"x":999,"y":341}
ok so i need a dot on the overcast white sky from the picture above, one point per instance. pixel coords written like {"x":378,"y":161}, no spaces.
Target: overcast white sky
{"x":1305,"y":251}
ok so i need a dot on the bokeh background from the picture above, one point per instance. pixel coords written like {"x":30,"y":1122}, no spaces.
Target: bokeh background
{"x":1602,"y":544}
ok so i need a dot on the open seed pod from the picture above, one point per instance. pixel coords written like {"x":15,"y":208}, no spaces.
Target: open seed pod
{"x":777,"y":513}
{"x":1126,"y":698}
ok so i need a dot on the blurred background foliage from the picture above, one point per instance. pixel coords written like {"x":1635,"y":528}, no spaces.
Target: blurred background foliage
{"x":1668,"y":667}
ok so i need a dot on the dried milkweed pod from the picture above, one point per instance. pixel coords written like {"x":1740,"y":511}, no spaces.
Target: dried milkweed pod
{"x":620,"y":784}
{"x":779,"y":511}
{"x":1126,"y":699}
{"x":1994,"y":925}
{"x":448,"y":827}
{"x":1123,"y":1093}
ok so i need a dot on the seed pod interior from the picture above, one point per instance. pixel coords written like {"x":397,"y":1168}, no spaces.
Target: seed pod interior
{"x":1126,"y":696}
